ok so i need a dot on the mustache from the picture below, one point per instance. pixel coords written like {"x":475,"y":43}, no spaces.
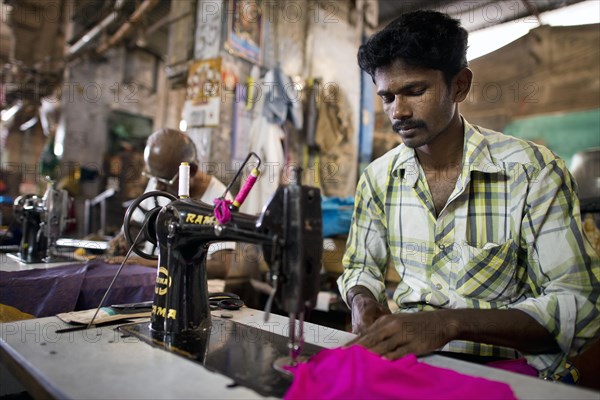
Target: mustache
{"x":405,"y":125}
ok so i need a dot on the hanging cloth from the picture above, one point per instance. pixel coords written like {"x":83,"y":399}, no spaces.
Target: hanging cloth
{"x":282,"y":100}
{"x":265,"y":140}
{"x":334,"y":138}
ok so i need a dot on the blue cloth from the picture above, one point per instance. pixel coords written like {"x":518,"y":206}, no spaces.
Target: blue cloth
{"x":6,"y":200}
{"x":337,"y":215}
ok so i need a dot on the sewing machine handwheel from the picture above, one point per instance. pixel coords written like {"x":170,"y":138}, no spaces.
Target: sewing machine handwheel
{"x":132,"y":227}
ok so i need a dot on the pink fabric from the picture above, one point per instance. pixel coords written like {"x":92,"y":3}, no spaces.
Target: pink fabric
{"x":518,"y":365}
{"x":357,"y":373}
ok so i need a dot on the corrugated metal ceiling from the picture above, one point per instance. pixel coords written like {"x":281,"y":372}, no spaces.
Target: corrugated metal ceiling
{"x":474,"y":14}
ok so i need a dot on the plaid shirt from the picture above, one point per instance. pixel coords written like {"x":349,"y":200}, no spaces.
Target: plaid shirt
{"x":509,"y":237}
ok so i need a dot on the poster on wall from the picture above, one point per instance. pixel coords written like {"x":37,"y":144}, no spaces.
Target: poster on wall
{"x":244,"y":29}
{"x":203,"y":99}
{"x":208,"y":29}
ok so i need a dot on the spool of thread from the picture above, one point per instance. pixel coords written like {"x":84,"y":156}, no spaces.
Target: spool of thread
{"x":243,"y":193}
{"x":184,"y":180}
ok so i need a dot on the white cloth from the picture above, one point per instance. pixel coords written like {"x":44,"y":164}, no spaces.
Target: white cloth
{"x":265,"y":141}
{"x":214,"y":189}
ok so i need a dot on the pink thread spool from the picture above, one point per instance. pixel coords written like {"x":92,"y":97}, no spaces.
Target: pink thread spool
{"x":223,"y":206}
{"x":243,"y":193}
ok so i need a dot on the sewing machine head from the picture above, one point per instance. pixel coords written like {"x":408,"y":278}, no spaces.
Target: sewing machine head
{"x":43,"y":220}
{"x":288,"y":229}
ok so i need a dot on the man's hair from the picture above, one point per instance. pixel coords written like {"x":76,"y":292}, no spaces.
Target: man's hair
{"x":423,"y":38}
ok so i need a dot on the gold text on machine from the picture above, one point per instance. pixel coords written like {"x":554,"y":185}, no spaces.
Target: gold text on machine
{"x":163,"y":282}
{"x":200,"y":219}
{"x":162,"y":311}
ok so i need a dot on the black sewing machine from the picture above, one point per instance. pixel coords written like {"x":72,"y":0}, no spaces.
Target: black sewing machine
{"x":43,"y":220}
{"x":289,"y":229}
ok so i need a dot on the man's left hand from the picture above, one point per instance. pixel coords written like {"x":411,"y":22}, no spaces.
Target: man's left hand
{"x":396,"y":335}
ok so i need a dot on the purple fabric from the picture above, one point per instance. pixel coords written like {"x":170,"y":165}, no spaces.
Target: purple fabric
{"x":134,"y":284}
{"x":75,"y":287}
{"x":357,"y":373}
{"x":42,"y":292}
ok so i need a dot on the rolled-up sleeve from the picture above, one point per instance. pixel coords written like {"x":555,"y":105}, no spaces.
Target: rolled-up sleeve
{"x":366,"y":254}
{"x":563,"y":269}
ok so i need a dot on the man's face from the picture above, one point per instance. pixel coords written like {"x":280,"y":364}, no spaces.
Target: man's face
{"x":416,"y":100}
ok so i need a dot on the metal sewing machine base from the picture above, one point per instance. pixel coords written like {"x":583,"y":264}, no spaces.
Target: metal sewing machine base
{"x":249,"y":356}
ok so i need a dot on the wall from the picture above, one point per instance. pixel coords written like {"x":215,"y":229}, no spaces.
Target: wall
{"x":307,"y":40}
{"x":551,"y":69}
{"x":124,"y":80}
{"x":564,"y":133}
{"x":332,"y":45}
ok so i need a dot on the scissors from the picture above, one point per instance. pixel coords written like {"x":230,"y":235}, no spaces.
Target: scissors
{"x":224,"y":300}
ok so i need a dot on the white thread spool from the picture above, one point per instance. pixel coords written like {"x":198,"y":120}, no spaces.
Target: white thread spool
{"x":184,"y":180}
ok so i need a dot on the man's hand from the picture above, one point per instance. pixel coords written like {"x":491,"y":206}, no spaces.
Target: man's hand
{"x":394,"y":336}
{"x":365,"y":309}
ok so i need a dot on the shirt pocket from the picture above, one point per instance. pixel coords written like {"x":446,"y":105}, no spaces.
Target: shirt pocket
{"x":487,"y":273}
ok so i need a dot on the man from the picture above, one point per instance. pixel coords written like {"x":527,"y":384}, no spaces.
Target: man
{"x":484,"y":229}
{"x":165,"y":150}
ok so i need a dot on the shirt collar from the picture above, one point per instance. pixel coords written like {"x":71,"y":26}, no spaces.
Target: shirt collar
{"x":476,"y":156}
{"x":407,"y":164}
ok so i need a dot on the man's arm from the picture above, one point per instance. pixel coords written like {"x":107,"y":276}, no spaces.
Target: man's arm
{"x":563,"y":270}
{"x":394,"y":336}
{"x":365,"y":259}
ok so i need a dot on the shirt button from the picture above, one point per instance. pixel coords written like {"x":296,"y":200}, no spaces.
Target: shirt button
{"x":439,"y":286}
{"x":441,"y":246}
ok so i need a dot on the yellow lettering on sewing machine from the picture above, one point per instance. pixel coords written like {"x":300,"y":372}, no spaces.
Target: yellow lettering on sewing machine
{"x":160,"y":311}
{"x":199,"y":219}
{"x":163,"y":282}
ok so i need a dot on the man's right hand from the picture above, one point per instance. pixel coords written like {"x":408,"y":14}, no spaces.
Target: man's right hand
{"x":365,"y":308}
